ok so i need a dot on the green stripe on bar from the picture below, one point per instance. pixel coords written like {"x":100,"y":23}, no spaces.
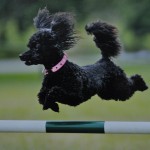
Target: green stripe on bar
{"x":75,"y":127}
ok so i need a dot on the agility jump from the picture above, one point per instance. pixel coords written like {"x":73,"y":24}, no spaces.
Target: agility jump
{"x":99,"y":127}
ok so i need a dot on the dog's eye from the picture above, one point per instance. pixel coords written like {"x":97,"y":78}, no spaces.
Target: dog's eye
{"x":37,"y":46}
{"x":28,"y":45}
{"x":31,"y":45}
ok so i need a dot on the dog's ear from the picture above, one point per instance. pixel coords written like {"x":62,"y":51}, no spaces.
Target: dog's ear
{"x":43,"y":19}
{"x":62,"y":26}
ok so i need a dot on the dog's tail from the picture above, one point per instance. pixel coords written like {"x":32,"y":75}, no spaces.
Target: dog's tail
{"x":105,"y":37}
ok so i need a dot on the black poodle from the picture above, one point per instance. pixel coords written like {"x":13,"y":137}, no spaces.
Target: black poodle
{"x":67,"y":83}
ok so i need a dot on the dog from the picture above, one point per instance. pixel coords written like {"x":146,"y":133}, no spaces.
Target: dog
{"x":67,"y":83}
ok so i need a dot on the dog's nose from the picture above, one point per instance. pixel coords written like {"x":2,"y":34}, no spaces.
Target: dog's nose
{"x":21,"y":56}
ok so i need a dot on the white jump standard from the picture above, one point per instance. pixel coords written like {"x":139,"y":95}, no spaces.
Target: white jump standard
{"x":103,"y":127}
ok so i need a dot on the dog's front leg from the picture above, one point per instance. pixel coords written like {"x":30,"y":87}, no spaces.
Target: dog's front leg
{"x":59,"y":94}
{"x":46,"y":101}
{"x":42,"y":95}
{"x":51,"y":97}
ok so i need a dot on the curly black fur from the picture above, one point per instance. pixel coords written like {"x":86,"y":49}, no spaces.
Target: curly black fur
{"x":72,"y":84}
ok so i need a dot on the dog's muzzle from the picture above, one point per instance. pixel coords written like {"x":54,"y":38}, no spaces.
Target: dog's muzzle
{"x":21,"y":57}
{"x":26,"y":59}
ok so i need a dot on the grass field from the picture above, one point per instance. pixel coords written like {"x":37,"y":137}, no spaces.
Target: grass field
{"x":18,"y":101}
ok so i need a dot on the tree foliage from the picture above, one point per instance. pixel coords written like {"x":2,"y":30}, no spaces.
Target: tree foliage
{"x":131,"y":16}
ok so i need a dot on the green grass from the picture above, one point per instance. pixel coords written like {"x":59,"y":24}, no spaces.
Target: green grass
{"x":18,"y":101}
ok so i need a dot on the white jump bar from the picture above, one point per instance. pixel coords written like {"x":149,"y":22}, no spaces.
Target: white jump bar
{"x":103,"y":127}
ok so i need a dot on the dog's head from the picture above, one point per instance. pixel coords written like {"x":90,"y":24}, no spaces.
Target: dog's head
{"x":55,"y":34}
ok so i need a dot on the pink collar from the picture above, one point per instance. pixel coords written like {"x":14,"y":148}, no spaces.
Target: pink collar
{"x":57,"y":66}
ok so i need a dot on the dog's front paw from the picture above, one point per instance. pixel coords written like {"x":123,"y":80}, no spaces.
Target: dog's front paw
{"x":54,"y":106}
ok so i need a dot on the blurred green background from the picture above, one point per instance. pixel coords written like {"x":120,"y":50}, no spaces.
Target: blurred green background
{"x":131,"y":17}
{"x":19,"y":84}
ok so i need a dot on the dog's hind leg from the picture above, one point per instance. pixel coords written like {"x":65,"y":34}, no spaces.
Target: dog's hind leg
{"x":122,"y":88}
